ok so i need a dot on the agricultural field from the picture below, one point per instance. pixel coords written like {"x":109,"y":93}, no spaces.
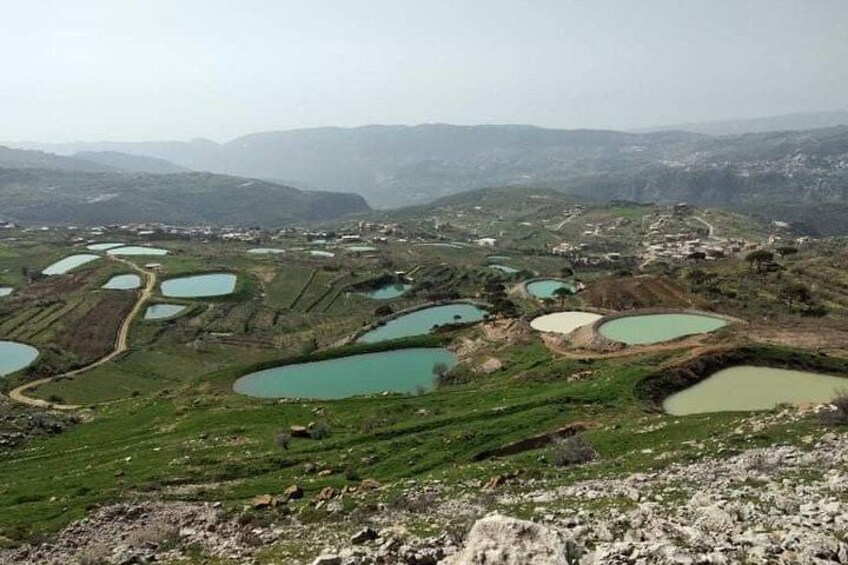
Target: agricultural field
{"x":159,"y":420}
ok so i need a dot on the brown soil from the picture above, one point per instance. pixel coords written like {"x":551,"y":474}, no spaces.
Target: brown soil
{"x":647,"y":291}
{"x":94,"y":332}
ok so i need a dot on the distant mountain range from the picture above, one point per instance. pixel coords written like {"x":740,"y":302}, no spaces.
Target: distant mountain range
{"x":36,"y":187}
{"x":799,"y":176}
{"x":785,"y":122}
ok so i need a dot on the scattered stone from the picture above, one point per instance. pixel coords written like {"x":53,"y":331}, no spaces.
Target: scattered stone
{"x":262,"y":501}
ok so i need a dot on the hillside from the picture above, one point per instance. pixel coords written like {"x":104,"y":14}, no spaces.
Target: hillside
{"x":72,"y":197}
{"x":28,"y":159}
{"x":130,"y":163}
{"x":786,"y":175}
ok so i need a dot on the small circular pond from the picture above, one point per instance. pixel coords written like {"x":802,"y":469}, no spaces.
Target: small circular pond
{"x":653,"y":328}
{"x":123,"y":282}
{"x":197,"y":286}
{"x":162,"y":311}
{"x":69,"y":263}
{"x":423,"y":321}
{"x":403,"y":370}
{"x":387,"y":291}
{"x":505,"y":269}
{"x":564,"y":322}
{"x":103,"y":246}
{"x":15,"y":356}
{"x":546,"y":288}
{"x":744,"y":388}
{"x":137,"y":250}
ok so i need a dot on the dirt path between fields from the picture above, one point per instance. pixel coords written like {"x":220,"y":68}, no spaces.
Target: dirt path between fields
{"x":18,"y":394}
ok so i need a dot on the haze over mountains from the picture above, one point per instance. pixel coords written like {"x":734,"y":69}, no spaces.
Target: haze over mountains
{"x":797,"y":176}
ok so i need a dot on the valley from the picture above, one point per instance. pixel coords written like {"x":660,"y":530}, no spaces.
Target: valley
{"x":427,"y":366}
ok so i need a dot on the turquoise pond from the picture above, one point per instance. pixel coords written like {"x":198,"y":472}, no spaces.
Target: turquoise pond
{"x":654,"y":328}
{"x":387,"y":291}
{"x":505,"y":269}
{"x":198,"y":286}
{"x":322,"y":254}
{"x":162,"y":311}
{"x":103,"y":246}
{"x":137,"y":250}
{"x":422,"y":322}
{"x":266,"y":251}
{"x":15,"y":356}
{"x":547,"y":287}
{"x":744,"y":388}
{"x":6,"y":290}
{"x":403,"y":370}
{"x":70,"y":263}
{"x":361,"y":248}
{"x":123,"y":282}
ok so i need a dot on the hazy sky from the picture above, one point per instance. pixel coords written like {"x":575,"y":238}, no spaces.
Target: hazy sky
{"x":179,"y":69}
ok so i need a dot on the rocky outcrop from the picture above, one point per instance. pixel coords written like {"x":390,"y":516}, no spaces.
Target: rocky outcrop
{"x":508,"y":541}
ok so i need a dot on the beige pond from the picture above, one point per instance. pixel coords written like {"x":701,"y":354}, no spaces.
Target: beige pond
{"x":564,"y":322}
{"x":745,"y":388}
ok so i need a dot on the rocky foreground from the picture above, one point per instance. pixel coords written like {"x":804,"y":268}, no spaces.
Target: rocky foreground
{"x":780,"y":504}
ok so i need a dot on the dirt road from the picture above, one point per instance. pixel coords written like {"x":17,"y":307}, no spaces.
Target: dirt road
{"x":18,"y":394}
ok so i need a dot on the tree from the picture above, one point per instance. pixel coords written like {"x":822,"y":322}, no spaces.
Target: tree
{"x":796,"y":292}
{"x":786,"y":250}
{"x":562,"y":293}
{"x":758,"y":258}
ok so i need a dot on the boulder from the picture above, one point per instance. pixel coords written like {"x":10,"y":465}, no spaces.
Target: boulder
{"x":298,"y":431}
{"x":508,"y":541}
{"x":327,"y":493}
{"x":293,"y":492}
{"x":369,"y":484}
{"x":262,"y":501}
{"x":327,"y":560}
{"x":363,"y":536}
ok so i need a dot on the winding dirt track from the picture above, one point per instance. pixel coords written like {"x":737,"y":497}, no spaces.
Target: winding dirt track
{"x":18,"y":394}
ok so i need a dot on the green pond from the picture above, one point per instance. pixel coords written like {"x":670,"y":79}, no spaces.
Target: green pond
{"x":388,"y":291}
{"x":422,"y":321}
{"x":195,"y":286}
{"x":403,"y":370}
{"x":123,"y":282}
{"x":103,"y":246}
{"x":137,"y":250}
{"x":162,"y":311}
{"x":15,"y":356}
{"x":745,"y":388}
{"x":654,"y":328}
{"x":69,"y":263}
{"x":266,"y":250}
{"x":6,"y":290}
{"x":547,"y":287}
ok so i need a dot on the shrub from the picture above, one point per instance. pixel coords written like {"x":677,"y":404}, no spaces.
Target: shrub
{"x":572,"y":450}
{"x":282,"y":439}
{"x":319,"y":431}
{"x":838,"y":414}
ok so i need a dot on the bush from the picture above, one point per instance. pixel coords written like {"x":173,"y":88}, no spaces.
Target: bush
{"x":838,"y":414}
{"x":282,"y":439}
{"x":319,"y":431}
{"x":572,"y":450}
